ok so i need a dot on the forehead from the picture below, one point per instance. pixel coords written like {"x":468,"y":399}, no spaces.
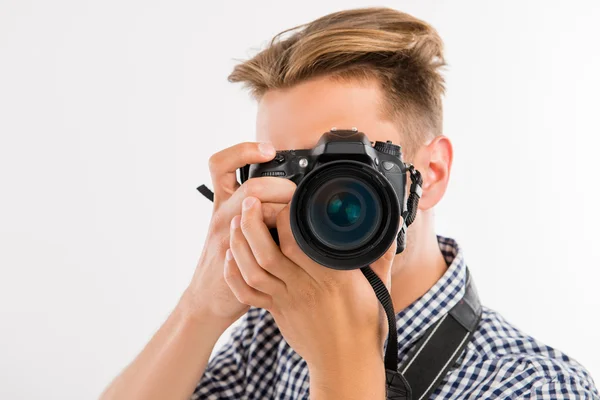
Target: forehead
{"x":295,"y":118}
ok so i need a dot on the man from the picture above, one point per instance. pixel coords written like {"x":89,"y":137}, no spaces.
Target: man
{"x":307,"y":329}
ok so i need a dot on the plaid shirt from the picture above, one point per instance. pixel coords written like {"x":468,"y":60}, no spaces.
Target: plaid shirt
{"x":499,"y":362}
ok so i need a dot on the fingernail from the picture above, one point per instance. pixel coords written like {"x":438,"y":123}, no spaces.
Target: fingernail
{"x":229,"y":255}
{"x":266,"y":149}
{"x":248,"y":203}
{"x":235,"y":222}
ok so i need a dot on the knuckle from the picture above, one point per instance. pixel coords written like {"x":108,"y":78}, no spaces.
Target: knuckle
{"x":236,"y":241}
{"x":288,"y":249}
{"x":248,"y":149}
{"x":244,"y":151}
{"x":230,"y":274}
{"x":269,"y":213}
{"x":223,"y":243}
{"x":252,"y":187}
{"x":243,"y":298}
{"x":255,"y":280}
{"x":247,"y":224}
{"x":266,"y":260}
{"x":213,"y":162}
{"x":289,"y":187}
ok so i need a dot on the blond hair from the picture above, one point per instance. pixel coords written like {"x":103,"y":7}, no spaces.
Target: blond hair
{"x":402,"y":52}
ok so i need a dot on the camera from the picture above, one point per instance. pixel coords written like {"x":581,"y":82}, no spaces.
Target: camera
{"x":350,"y":197}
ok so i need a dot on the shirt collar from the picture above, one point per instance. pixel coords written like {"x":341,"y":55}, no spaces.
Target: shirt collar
{"x":415,"y":319}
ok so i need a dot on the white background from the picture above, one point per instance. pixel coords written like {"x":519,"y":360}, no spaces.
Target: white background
{"x":109,"y":111}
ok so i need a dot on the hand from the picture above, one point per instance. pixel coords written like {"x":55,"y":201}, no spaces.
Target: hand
{"x":331,"y":318}
{"x":208,"y":290}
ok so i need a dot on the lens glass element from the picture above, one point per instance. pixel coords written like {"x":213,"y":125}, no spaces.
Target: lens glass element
{"x":344,"y":209}
{"x":344,"y":212}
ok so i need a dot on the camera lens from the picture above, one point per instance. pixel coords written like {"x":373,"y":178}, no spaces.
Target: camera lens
{"x":344,"y":213}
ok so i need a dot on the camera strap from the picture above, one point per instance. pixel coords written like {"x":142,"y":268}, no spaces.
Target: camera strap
{"x":435,"y":352}
{"x":440,"y":346}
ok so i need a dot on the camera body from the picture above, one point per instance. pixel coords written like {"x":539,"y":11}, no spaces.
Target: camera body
{"x":349,"y":200}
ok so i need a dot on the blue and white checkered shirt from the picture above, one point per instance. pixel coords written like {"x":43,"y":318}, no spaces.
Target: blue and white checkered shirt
{"x":500,"y":362}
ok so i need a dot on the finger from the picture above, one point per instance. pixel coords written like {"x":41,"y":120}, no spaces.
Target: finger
{"x":269,"y":213}
{"x":254,"y":275}
{"x":289,"y":247}
{"x":224,"y":164}
{"x":266,"y":252}
{"x":244,"y":293}
{"x":266,"y":189}
{"x":383,"y":266}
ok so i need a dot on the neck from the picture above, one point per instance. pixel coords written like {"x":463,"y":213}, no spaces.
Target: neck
{"x":420,"y":266}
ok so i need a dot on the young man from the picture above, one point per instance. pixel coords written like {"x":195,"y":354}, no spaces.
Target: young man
{"x":307,"y":329}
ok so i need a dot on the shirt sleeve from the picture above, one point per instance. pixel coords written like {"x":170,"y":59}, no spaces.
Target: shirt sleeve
{"x":562,"y":389}
{"x":225,"y":374}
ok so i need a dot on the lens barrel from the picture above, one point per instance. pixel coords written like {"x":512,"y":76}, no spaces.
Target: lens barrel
{"x":344,"y":214}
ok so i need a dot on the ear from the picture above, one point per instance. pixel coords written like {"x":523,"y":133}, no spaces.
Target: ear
{"x":434,"y":161}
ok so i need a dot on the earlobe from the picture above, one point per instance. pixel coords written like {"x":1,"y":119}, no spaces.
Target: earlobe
{"x":435,"y":160}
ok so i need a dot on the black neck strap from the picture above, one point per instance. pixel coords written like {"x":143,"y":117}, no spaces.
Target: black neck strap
{"x":435,"y":352}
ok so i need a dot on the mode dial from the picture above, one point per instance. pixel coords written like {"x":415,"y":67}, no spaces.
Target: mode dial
{"x":388,"y":148}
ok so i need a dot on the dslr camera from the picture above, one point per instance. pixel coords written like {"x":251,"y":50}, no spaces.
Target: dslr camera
{"x":349,"y":205}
